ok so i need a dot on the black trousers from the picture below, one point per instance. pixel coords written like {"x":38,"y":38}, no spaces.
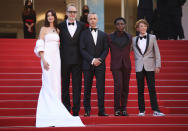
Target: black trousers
{"x":150,"y":78}
{"x":121,"y":88}
{"x":175,"y":27}
{"x":164,"y":26}
{"x":76,"y":71}
{"x":100,"y":85}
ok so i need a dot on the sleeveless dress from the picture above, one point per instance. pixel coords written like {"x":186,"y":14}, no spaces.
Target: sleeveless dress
{"x":50,"y":109}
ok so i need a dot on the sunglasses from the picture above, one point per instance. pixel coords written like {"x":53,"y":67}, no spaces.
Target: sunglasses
{"x":72,"y":12}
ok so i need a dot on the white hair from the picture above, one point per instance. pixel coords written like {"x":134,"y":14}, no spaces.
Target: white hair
{"x":71,"y":5}
{"x":92,"y":14}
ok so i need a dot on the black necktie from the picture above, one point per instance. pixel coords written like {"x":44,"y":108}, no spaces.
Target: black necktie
{"x":142,"y":37}
{"x":70,"y":23}
{"x":95,"y":29}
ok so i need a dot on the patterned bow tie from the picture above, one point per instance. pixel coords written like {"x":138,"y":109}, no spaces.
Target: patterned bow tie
{"x":95,"y":29}
{"x":142,"y":37}
{"x":70,"y":23}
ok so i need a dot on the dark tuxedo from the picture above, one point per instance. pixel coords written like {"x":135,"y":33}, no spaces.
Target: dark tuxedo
{"x":71,"y":62}
{"x":120,"y":46}
{"x":89,"y":51}
{"x":170,"y":12}
{"x":175,"y":19}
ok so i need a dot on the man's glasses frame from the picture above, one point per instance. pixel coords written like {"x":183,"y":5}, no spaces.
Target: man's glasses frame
{"x":72,"y":12}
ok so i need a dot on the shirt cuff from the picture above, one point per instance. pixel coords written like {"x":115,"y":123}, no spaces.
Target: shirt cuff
{"x":93,"y":61}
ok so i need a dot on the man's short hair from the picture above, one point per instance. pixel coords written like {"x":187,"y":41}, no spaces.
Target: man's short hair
{"x":92,"y":14}
{"x":143,"y":21}
{"x":119,"y":18}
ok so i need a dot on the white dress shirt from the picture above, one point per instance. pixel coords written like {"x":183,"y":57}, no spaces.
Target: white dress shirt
{"x":95,"y":35}
{"x":142,"y":44}
{"x":72,"y":28}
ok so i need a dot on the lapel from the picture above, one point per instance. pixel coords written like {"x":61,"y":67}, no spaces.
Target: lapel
{"x":91,"y":38}
{"x":147,"y":43}
{"x":98,"y":37}
{"x":77,"y":29}
{"x":137,"y":37}
{"x":66,"y":29}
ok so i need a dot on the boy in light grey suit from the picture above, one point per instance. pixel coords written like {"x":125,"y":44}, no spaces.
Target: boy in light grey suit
{"x":147,"y":63}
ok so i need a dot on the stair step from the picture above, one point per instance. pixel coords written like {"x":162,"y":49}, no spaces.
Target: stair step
{"x":108,"y":96}
{"x":94,"y":103}
{"x":109,"y":82}
{"x":95,"y":120}
{"x":108,"y":89}
{"x":175,"y":76}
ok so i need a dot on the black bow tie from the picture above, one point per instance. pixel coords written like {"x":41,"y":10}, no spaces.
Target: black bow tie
{"x":71,"y":23}
{"x":142,"y":37}
{"x":95,"y":29}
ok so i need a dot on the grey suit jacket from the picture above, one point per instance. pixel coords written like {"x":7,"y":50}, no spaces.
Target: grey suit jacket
{"x":151,"y":57}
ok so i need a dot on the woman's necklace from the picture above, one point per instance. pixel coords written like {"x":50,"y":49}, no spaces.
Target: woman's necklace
{"x":52,"y":29}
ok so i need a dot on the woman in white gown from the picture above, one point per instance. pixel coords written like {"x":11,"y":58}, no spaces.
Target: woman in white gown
{"x":50,"y":110}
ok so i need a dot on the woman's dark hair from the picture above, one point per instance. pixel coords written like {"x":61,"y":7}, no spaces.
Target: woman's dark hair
{"x":26,"y":6}
{"x":85,"y":9}
{"x":119,"y":18}
{"x":47,"y":23}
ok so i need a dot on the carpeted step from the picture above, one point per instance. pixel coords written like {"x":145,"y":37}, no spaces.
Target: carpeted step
{"x":175,"y":76}
{"x":94,"y":103}
{"x":33,"y":57}
{"x":94,"y":111}
{"x":108,"y":96}
{"x":37,"y":82}
{"x":108,"y":89}
{"x":95,"y":120}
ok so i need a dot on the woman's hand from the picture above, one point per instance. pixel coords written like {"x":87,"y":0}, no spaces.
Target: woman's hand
{"x":45,"y":64}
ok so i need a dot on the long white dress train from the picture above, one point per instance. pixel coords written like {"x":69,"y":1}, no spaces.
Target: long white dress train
{"x":50,"y":110}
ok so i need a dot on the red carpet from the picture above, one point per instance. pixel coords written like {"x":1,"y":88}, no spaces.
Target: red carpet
{"x":20,"y":82}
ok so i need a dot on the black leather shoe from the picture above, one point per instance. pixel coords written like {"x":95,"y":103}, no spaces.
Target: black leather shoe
{"x":117,"y":113}
{"x":102,"y":114}
{"x":87,"y":113}
{"x":75,"y":114}
{"x":124,"y":113}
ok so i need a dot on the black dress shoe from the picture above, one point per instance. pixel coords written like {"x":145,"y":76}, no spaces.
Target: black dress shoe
{"x":117,"y":113}
{"x":87,"y":113}
{"x":124,"y":113}
{"x":102,"y":114}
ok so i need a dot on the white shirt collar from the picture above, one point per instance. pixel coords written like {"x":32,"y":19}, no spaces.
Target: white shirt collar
{"x":143,"y":35}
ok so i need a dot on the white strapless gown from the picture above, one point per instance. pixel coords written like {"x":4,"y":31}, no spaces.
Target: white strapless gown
{"x":50,"y":110}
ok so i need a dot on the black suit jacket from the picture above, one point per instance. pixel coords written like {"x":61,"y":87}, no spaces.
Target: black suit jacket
{"x":145,"y":4}
{"x":170,"y":6}
{"x":70,"y":46}
{"x":120,"y":57}
{"x":89,"y":50}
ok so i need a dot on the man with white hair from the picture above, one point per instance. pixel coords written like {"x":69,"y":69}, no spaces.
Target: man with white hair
{"x":71,"y":59}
